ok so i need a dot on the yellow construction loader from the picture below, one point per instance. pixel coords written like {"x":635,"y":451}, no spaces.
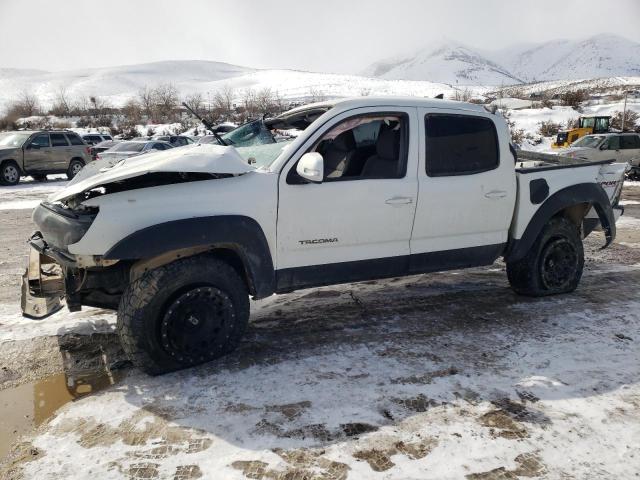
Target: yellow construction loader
{"x":586,"y":126}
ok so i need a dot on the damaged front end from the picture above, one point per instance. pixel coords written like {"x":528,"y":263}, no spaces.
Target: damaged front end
{"x":44,"y":282}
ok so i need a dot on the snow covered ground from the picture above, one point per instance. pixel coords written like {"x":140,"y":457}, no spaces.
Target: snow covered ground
{"x":439,"y":376}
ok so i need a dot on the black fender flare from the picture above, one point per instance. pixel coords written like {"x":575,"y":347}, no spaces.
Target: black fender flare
{"x":239,"y":233}
{"x":590,"y":193}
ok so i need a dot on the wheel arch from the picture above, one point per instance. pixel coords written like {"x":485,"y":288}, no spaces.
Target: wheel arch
{"x":573,"y":203}
{"x":236,"y":239}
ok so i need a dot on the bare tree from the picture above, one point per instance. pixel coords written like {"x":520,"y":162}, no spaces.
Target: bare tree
{"x":249,"y":103}
{"x":132,"y":112}
{"x":264,"y":100}
{"x":62,"y":105}
{"x":166,"y":98}
{"x":195,"y":102}
{"x":27,"y":105}
{"x":630,"y":120}
{"x":146,"y":100}
{"x":223,"y":100}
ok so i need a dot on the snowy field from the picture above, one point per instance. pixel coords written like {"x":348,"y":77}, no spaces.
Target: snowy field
{"x":440,"y":376}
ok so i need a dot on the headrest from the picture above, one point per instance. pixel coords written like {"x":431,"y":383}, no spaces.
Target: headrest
{"x":345,"y":141}
{"x":388,"y":144}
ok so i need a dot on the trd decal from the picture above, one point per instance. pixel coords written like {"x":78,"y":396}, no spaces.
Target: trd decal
{"x":316,"y":241}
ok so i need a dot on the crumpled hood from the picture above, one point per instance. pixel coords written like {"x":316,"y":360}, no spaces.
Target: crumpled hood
{"x":196,"y":158}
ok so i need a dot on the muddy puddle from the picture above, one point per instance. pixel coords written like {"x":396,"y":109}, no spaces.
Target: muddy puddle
{"x":27,"y":406}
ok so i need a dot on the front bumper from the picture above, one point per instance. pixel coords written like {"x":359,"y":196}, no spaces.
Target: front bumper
{"x":43,"y":286}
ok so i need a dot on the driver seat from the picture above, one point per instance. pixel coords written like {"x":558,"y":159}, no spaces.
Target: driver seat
{"x":338,"y":154}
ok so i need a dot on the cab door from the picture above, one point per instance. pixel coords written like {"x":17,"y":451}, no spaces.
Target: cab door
{"x":630,"y":148}
{"x":356,"y":224}
{"x":61,"y":152}
{"x":37,"y":152}
{"x":467,"y":190}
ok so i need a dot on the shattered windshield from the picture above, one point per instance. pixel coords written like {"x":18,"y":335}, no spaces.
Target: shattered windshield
{"x":588,"y":142}
{"x":252,"y":133}
{"x":13,"y":139}
{"x":262,"y":155}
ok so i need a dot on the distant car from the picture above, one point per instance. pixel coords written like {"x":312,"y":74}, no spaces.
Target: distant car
{"x":95,"y":138}
{"x":129,"y":149}
{"x":175,"y":140}
{"x":208,"y":139}
{"x":94,"y":150}
{"x":39,"y":153}
{"x":621,"y":147}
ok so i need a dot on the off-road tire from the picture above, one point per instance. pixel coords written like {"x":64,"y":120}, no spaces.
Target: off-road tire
{"x":554,"y":263}
{"x":39,"y":177}
{"x":73,"y":169}
{"x":9,"y":173}
{"x":147,"y":304}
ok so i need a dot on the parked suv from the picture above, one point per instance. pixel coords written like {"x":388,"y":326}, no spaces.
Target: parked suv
{"x":95,"y":138}
{"x":621,"y":147}
{"x":39,"y":153}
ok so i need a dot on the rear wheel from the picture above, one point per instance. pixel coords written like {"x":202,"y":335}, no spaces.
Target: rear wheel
{"x":554,"y":263}
{"x":187,"y":312}
{"x":9,"y":173}
{"x":74,"y":167}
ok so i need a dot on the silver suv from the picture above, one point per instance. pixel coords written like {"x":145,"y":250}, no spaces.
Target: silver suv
{"x":39,"y":153}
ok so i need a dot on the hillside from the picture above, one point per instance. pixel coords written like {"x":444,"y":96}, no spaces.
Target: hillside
{"x":117,"y":84}
{"x":603,"y":55}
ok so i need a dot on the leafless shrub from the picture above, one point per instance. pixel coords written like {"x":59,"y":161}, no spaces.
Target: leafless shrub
{"x":549,"y":128}
{"x":461,"y":95}
{"x":316,"y":95}
{"x":571,"y":123}
{"x":630,"y":120}
{"x":574,"y":98}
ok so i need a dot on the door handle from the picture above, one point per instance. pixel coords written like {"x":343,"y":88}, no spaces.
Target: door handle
{"x":399,"y":201}
{"x":496,"y":194}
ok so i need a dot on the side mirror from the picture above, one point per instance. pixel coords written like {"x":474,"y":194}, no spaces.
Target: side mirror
{"x":33,"y":146}
{"x":311,"y":167}
{"x":603,"y":146}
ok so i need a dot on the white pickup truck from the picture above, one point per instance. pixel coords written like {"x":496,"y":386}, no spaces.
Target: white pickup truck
{"x":178,"y":240}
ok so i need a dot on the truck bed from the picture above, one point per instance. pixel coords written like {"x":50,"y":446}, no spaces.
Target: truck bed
{"x":527,"y":162}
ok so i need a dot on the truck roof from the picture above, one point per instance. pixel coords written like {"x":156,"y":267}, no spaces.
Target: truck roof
{"x":371,"y":101}
{"x":381,"y":101}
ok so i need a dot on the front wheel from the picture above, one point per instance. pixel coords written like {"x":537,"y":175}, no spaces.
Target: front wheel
{"x":182,"y":314}
{"x":9,"y":173}
{"x":554,"y":263}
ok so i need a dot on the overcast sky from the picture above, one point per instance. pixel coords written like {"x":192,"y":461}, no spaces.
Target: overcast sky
{"x":320,"y":35}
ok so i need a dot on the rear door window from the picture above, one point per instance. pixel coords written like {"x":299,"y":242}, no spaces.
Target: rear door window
{"x":460,"y":145}
{"x":59,"y":140}
{"x":74,"y":139}
{"x":628,"y":142}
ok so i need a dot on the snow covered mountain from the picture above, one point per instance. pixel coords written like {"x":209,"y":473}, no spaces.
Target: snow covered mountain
{"x":603,"y":55}
{"x":447,"y":62}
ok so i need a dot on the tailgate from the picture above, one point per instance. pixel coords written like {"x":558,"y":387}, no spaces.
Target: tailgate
{"x":611,"y":178}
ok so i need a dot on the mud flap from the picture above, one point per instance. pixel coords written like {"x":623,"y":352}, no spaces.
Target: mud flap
{"x":42,"y":286}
